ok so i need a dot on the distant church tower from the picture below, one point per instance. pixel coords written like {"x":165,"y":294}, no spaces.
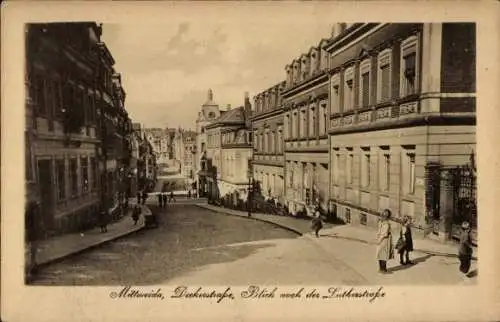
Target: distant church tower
{"x":209,"y":112}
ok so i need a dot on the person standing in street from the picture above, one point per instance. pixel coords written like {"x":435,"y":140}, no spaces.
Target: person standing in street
{"x":172,"y":196}
{"x":144,"y":197}
{"x":404,"y":244}
{"x":164,"y":198}
{"x":465,"y":248}
{"x":160,"y":199}
{"x":189,"y":194}
{"x":317,"y":223}
{"x":139,"y":193}
{"x":103,"y":221}
{"x":385,"y":250}
{"x":136,"y":213}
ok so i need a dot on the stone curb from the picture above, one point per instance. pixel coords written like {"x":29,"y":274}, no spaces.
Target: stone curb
{"x":92,"y":246}
{"x":425,"y":251}
{"x":225,"y":212}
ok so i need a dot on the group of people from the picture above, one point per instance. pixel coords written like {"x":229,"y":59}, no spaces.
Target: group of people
{"x":404,"y":244}
{"x":163,"y":199}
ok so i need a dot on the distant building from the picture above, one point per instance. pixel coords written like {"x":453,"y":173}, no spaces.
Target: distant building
{"x":229,"y":145}
{"x":161,"y":143}
{"x":187,"y":153}
{"x":209,"y":112}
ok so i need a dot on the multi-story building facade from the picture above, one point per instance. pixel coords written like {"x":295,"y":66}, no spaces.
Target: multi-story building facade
{"x":402,"y":103}
{"x":236,"y":152}
{"x":229,"y":152}
{"x":114,"y":131}
{"x":209,"y":112}
{"x":189,"y":147}
{"x":305,"y":100}
{"x":268,"y":132}
{"x":65,"y":107}
{"x":160,"y":140}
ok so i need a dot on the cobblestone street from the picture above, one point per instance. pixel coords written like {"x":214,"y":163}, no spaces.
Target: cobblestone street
{"x":195,"y":245}
{"x":188,"y":237}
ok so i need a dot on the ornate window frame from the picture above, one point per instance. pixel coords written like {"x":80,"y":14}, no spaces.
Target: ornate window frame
{"x":408,"y":46}
{"x":364,"y":67}
{"x":348,"y":79}
{"x":312,"y":129}
{"x":384,"y":58}
{"x":335,"y":88}
{"x":323,"y":117}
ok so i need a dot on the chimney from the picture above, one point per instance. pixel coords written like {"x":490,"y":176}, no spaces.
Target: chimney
{"x":247,"y":107}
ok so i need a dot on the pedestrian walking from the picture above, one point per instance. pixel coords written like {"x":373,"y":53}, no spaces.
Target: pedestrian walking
{"x":160,"y":199}
{"x":103,"y":221}
{"x":465,"y":248}
{"x":144,"y":197}
{"x":139,"y":194}
{"x":404,"y":245}
{"x":189,"y":194}
{"x":385,"y":250}
{"x":317,"y":223}
{"x":136,"y":213}
{"x":164,"y":199}
{"x":172,"y":196}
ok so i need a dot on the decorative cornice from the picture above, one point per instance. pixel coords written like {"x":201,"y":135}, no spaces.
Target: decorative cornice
{"x":421,"y":120}
{"x":267,"y":114}
{"x":316,"y":79}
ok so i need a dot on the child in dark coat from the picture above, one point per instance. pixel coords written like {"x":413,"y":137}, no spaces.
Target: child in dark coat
{"x":317,"y":223}
{"x":405,"y":242}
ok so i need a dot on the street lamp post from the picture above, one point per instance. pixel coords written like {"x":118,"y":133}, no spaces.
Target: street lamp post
{"x":250,"y":189}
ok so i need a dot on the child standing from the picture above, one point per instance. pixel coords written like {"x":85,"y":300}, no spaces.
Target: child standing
{"x":317,"y":223}
{"x":405,"y":242}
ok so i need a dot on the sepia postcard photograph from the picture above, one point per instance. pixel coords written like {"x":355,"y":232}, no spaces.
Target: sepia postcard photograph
{"x":236,"y":154}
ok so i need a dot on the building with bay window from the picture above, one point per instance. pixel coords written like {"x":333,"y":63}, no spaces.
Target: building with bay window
{"x":268,"y":133}
{"x":75,"y":124}
{"x":401,"y":121}
{"x":218,"y":159}
{"x":62,"y":127}
{"x":236,"y":153}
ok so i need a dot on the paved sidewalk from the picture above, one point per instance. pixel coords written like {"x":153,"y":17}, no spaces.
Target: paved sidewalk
{"x":298,"y":226}
{"x":346,"y":232}
{"x":435,"y":263}
{"x":59,"y":247}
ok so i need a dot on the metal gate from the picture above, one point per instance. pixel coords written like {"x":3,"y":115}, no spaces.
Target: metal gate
{"x":457,"y":185}
{"x":464,"y":197}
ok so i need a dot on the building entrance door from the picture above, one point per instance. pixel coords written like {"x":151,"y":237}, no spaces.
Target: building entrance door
{"x":46,"y":195}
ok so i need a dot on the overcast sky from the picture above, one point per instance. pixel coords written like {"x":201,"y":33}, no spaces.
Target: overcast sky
{"x":167,"y":69}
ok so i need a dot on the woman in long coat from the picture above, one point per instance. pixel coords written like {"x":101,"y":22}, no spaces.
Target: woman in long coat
{"x":385,"y":250}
